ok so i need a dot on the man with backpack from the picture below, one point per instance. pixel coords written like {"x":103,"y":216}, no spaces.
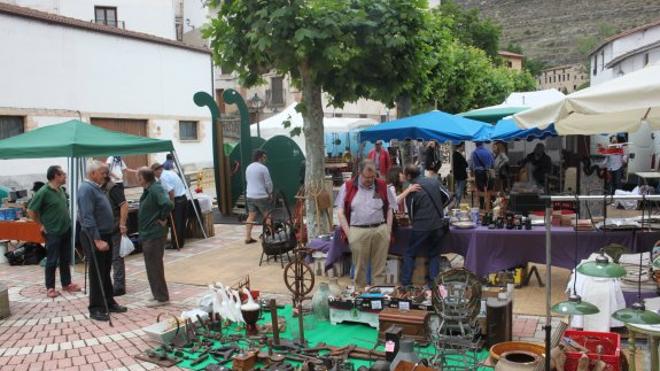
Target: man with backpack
{"x":366,"y":211}
{"x":425,"y":209}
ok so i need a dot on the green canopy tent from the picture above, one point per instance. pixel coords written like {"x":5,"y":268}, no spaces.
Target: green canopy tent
{"x":77,"y":140}
{"x":492,"y":114}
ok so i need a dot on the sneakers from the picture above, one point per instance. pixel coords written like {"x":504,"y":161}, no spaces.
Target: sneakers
{"x":52,"y":293}
{"x":152,"y":303}
{"x":72,"y":287}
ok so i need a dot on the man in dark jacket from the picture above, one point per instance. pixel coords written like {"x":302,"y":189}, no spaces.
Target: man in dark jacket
{"x":425,"y":208}
{"x":459,"y":170}
{"x":96,"y":221}
{"x":541,"y":162}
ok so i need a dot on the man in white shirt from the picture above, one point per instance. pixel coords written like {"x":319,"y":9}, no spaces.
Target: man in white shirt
{"x":117,"y":166}
{"x":176,"y":190}
{"x":259,"y":191}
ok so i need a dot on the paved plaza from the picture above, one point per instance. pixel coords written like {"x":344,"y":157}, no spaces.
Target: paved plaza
{"x":56,"y":334}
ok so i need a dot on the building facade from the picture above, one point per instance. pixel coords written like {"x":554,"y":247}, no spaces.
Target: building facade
{"x":65,"y":68}
{"x":625,"y":52}
{"x":567,"y":78}
{"x":512,"y":60}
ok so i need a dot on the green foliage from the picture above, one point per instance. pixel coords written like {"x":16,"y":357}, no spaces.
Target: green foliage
{"x":470,"y":29}
{"x":349,"y":48}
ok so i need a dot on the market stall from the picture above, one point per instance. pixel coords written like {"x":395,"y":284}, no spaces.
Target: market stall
{"x":491,"y":250}
{"x":77,"y":141}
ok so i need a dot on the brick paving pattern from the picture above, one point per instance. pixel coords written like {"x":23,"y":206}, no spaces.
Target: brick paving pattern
{"x":57,"y":334}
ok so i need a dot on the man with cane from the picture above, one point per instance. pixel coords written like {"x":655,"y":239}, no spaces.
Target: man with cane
{"x":97,"y":224}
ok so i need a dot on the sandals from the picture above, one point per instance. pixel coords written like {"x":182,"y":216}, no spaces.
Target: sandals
{"x":51,"y":293}
{"x":251,"y":240}
{"x":72,"y":287}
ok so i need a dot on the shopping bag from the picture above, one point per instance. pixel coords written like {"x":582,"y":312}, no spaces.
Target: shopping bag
{"x":126,"y":246}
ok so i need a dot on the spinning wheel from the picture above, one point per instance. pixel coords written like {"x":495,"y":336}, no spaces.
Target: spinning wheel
{"x":299,"y":278}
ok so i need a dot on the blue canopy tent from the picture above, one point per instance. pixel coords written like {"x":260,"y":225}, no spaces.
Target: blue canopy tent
{"x":434,"y":125}
{"x":506,"y":130}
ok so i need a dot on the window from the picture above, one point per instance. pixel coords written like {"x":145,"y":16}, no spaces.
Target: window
{"x":188,"y":130}
{"x":595,"y":66}
{"x":277,"y":91}
{"x":646,"y":59}
{"x":602,"y":60}
{"x":363,"y":115}
{"x":106,"y":15}
{"x":509,"y":64}
{"x":11,"y":126}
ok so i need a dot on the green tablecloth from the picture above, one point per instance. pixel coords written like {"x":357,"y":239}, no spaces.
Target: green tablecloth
{"x":323,"y":331}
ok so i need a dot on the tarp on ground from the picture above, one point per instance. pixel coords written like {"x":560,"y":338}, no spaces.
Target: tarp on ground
{"x":434,"y":125}
{"x":273,"y":125}
{"x":618,"y":105}
{"x":78,"y":139}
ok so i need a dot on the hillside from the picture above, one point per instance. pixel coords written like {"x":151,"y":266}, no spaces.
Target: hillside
{"x":549,"y":29}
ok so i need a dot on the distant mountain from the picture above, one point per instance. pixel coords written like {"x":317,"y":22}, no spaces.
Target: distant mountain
{"x":549,"y":30}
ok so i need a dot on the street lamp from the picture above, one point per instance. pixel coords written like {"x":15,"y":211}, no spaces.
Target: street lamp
{"x":257,"y":104}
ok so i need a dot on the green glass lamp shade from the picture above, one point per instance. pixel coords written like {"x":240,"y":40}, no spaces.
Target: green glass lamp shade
{"x":574,"y":306}
{"x":637,"y":315}
{"x":656,"y":262}
{"x":601,"y":268}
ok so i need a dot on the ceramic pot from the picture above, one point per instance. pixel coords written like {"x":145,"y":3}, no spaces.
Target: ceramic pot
{"x":518,"y":361}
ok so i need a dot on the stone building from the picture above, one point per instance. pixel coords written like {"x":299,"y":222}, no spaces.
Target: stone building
{"x":566,"y":78}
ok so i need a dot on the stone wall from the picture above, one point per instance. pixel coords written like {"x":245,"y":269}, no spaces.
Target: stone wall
{"x":548,"y":29}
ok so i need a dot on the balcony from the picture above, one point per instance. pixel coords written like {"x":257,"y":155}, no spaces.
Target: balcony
{"x":110,"y":22}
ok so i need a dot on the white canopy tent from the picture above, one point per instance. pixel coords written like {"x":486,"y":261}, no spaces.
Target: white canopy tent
{"x":619,"y":105}
{"x":532,"y":99}
{"x":273,"y":126}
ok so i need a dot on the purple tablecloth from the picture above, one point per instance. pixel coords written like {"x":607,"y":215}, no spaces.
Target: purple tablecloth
{"x":491,"y":250}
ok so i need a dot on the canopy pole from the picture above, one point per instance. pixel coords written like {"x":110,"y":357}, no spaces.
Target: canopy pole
{"x":548,"y":282}
{"x":192,"y":200}
{"x":72,"y":206}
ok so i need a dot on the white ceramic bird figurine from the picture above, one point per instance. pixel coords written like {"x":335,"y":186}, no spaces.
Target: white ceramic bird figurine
{"x":236,"y":306}
{"x":225,"y":304}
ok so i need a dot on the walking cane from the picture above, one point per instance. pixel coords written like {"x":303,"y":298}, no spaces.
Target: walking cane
{"x":90,"y":243}
{"x":85,"y":291}
{"x":176,"y":237}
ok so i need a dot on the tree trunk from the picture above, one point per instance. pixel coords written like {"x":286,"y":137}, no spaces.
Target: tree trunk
{"x":404,"y":109}
{"x":315,"y":148}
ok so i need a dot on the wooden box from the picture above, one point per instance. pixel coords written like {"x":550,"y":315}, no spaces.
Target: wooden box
{"x":193,"y":226}
{"x":4,"y":301}
{"x":413,"y":322}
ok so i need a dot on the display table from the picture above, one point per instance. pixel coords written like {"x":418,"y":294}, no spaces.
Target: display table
{"x":491,"y":250}
{"x":21,"y":231}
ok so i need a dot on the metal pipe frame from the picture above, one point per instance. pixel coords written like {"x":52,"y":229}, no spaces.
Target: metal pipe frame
{"x":548,"y":251}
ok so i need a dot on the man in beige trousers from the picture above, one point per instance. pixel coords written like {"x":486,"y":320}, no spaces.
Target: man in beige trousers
{"x":366,"y":209}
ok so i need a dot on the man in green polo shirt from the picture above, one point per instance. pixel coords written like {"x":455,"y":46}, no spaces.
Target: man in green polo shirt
{"x":49,"y":207}
{"x":155,"y":207}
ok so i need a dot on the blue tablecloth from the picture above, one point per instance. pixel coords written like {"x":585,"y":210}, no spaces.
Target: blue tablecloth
{"x":491,"y":250}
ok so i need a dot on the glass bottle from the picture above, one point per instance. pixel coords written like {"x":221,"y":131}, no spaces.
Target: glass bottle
{"x":320,"y":302}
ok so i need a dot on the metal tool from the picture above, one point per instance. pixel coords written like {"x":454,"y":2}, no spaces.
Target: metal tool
{"x":200,"y":360}
{"x":274,"y":319}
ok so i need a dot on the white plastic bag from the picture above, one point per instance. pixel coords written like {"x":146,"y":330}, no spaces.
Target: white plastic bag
{"x":126,"y":246}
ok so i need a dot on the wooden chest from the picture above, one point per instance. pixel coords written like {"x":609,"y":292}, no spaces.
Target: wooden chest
{"x":4,"y":301}
{"x":413,"y":322}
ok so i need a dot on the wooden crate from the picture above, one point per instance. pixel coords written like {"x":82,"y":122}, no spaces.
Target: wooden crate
{"x":193,"y":227}
{"x":4,"y":301}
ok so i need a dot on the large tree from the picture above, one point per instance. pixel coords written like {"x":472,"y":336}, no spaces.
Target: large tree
{"x":346,"y":48}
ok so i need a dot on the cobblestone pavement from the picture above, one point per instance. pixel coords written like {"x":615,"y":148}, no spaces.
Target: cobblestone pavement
{"x":57,"y":334}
